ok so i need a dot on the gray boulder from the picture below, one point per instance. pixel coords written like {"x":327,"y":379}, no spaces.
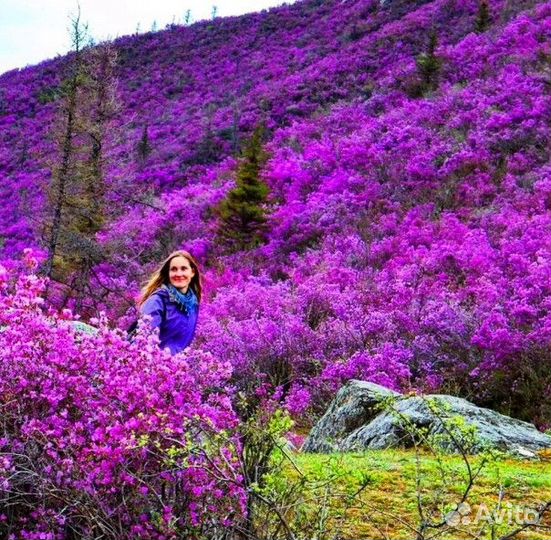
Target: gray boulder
{"x":355,"y":405}
{"x":368,"y":416}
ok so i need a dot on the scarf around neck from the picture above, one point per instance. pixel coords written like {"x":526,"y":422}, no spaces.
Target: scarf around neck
{"x":187,"y":301}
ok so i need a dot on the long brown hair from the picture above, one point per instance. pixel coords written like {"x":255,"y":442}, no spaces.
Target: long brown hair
{"x":161,"y":277}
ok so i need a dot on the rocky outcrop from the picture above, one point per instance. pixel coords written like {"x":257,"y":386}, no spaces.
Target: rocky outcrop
{"x":365,"y":416}
{"x":356,"y":405}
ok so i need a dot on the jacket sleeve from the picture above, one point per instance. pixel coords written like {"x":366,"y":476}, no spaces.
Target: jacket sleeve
{"x":154,"y":307}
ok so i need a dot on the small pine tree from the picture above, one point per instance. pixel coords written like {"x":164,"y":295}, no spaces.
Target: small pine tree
{"x":143,"y":147}
{"x":242,"y":214}
{"x":483,"y":18}
{"x":429,"y":64}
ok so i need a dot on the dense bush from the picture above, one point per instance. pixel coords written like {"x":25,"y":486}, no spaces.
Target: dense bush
{"x":105,"y":438}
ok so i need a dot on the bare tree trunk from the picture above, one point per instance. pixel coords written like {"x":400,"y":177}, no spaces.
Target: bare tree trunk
{"x":61,"y":177}
{"x":78,"y":188}
{"x":60,"y":192}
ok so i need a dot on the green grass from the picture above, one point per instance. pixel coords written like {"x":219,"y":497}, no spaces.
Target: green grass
{"x":376,"y":494}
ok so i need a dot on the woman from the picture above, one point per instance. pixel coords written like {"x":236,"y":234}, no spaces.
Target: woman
{"x":171,"y":297}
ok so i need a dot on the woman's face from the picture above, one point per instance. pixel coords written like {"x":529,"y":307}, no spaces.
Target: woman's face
{"x":180,"y":273}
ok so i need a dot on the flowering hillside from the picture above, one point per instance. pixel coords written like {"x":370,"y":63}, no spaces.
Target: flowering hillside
{"x":408,"y":226}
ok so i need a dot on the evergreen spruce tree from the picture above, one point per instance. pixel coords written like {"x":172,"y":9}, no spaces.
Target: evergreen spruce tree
{"x":483,"y":19}
{"x":143,"y":147}
{"x":429,"y":65}
{"x":242,"y":213}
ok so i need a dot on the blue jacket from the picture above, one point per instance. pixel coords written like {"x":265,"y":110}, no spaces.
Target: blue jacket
{"x":176,"y":326}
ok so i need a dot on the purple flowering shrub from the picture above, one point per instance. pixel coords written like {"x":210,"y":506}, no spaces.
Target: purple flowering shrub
{"x":438,"y":305}
{"x":261,"y":332}
{"x":294,"y":342}
{"x":103,"y":437}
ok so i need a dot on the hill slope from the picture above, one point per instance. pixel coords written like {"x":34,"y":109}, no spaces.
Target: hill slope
{"x":409,"y":221}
